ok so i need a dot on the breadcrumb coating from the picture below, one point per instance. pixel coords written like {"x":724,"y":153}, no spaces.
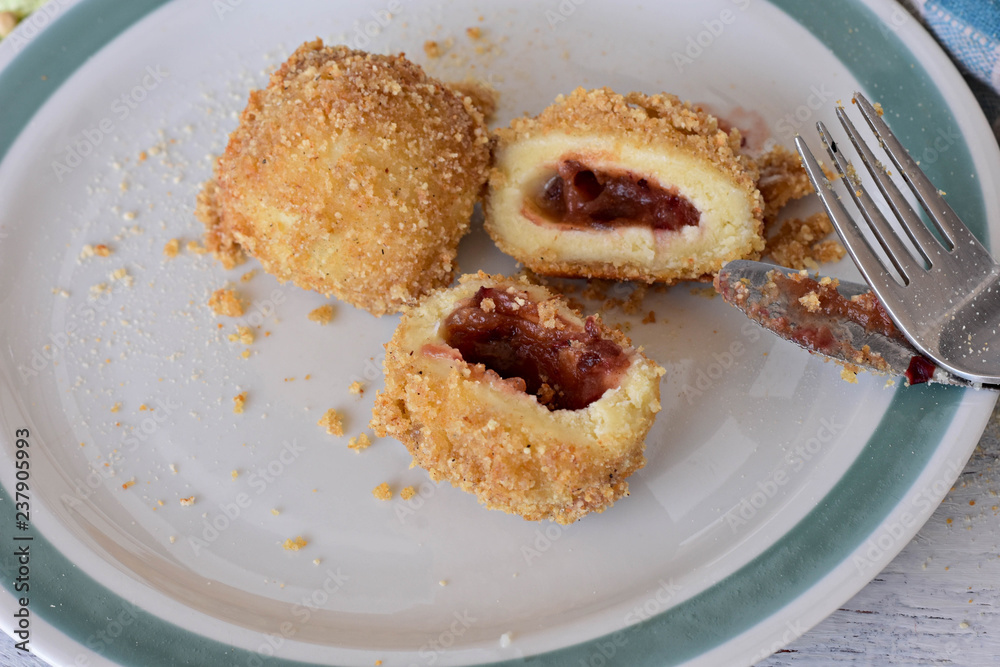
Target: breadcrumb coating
{"x":802,"y":244}
{"x":483,"y":436}
{"x":782,"y":179}
{"x":351,"y":174}
{"x":659,"y":137}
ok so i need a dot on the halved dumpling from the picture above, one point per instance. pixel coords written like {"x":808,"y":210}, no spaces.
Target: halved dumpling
{"x":502,"y":389}
{"x":631,"y":187}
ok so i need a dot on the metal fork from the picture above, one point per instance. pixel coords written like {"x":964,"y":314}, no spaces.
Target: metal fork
{"x":948,"y":301}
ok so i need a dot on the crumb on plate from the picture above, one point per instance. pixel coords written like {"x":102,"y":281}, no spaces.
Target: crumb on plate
{"x":294,"y":545}
{"x":323,"y":314}
{"x":225,"y":302}
{"x":360,"y":442}
{"x":332,"y":422}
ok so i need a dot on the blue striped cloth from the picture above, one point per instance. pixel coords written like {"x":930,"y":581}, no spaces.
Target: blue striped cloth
{"x":970,"y":31}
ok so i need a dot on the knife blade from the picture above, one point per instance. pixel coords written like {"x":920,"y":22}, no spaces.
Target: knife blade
{"x":837,"y":319}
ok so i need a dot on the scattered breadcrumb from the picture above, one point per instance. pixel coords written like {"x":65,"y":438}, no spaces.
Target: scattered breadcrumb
{"x":234,"y":474}
{"x":275,"y":512}
{"x":633,"y":304}
{"x":849,"y":374}
{"x":116,"y":407}
{"x":121,"y":274}
{"x":382,"y":491}
{"x":99,"y":250}
{"x":407,"y":492}
{"x":801,"y":244}
{"x":294,"y":545}
{"x":360,"y":442}
{"x":443,"y":582}
{"x":225,"y":302}
{"x":474,"y":32}
{"x":705,"y":292}
{"x":143,"y":408}
{"x":245,"y":354}
{"x":243,"y":335}
{"x":129,"y":484}
{"x":432,"y":49}
{"x":323,"y":314}
{"x":782,"y":179}
{"x":248,"y":276}
{"x":878,"y":109}
{"x":196,"y":248}
{"x":239,"y":401}
{"x":332,"y":422}
{"x":187,"y":502}
{"x":173,"y":468}
{"x":171,"y":248}
{"x":357,"y":387}
{"x":810,"y":301}
{"x":650,"y":318}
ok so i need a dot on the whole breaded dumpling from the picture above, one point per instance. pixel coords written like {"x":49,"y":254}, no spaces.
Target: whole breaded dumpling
{"x":351,"y":174}
{"x":502,"y":389}
{"x":628,"y":187}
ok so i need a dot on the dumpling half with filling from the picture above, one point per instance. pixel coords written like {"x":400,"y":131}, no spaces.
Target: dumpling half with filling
{"x":633,"y":187}
{"x":499,"y":387}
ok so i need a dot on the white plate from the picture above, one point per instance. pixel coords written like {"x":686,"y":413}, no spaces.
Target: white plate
{"x":773,"y":492}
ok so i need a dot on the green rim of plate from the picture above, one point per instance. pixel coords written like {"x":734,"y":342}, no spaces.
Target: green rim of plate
{"x":75,"y":604}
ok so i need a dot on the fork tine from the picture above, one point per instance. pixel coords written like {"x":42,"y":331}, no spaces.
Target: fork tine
{"x":915,"y":229}
{"x":857,"y":245}
{"x":940,"y":213}
{"x":898,"y":254}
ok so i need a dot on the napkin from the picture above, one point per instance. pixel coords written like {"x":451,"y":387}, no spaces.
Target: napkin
{"x":969,"y":30}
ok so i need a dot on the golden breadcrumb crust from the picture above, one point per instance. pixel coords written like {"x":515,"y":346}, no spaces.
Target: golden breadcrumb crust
{"x":351,"y":174}
{"x":802,"y":243}
{"x":472,"y":429}
{"x":650,"y":128}
{"x":782,"y":179}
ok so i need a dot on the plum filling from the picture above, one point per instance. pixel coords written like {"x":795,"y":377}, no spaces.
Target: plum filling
{"x":566,"y":366}
{"x":582,"y":198}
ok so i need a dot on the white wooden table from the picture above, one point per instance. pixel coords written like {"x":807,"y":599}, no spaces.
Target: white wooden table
{"x":937,"y":603}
